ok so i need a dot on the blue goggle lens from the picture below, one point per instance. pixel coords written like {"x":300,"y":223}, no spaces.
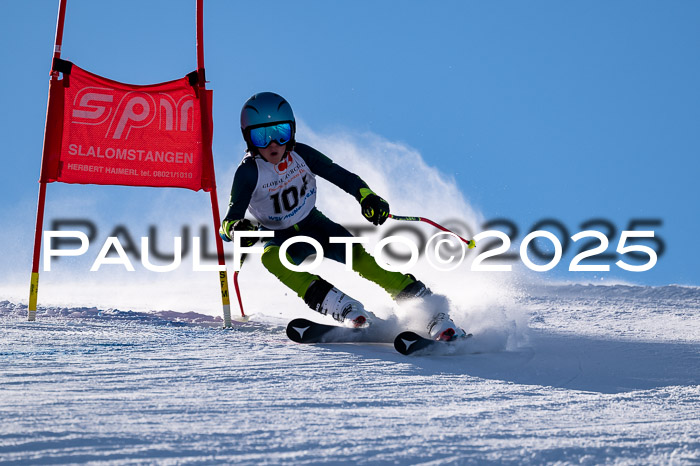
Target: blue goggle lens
{"x":262,"y":137}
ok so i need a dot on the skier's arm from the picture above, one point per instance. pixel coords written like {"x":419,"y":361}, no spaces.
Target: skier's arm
{"x":374,"y":208}
{"x":244,"y":182}
{"x":324,"y":167}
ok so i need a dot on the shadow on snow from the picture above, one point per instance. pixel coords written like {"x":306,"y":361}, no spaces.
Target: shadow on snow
{"x":566,"y":361}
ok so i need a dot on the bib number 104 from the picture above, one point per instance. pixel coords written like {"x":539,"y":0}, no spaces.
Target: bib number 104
{"x":290,"y":197}
{"x":575,"y":265}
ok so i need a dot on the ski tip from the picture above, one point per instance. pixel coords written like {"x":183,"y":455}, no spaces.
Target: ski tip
{"x":409,"y":342}
{"x":300,"y":321}
{"x":297,"y":328}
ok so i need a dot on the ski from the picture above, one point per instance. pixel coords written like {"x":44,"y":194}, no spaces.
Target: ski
{"x":412,"y":343}
{"x":307,"y":331}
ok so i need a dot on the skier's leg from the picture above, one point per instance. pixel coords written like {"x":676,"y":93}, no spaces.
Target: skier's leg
{"x":393,"y":283}
{"x":405,"y":288}
{"x":325,"y":298}
{"x":321,"y":228}
{"x":317,"y":293}
{"x":400,"y":286}
{"x":297,"y":281}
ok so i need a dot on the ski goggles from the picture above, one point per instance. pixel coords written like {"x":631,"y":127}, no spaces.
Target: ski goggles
{"x":262,"y":136}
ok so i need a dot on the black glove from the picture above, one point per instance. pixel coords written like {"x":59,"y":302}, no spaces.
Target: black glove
{"x":237,"y":225}
{"x":374,"y":208}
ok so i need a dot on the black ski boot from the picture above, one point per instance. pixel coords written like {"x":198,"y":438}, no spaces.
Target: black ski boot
{"x":326,"y":299}
{"x":414,"y":290}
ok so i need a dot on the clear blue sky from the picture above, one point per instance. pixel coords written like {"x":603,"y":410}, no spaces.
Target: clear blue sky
{"x":568,"y":110}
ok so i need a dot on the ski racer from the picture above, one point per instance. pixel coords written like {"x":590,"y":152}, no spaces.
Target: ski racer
{"x":276,"y":181}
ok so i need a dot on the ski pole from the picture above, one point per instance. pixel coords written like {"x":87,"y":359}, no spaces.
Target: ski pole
{"x":470,"y":243}
{"x":243,"y":318}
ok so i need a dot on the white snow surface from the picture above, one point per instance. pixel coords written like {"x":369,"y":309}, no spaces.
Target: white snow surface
{"x":555,"y":373}
{"x":564,"y":374}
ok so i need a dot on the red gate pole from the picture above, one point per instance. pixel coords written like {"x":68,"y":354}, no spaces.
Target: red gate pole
{"x":207,"y":137}
{"x":34,"y":282}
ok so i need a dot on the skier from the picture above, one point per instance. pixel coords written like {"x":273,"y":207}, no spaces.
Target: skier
{"x":276,"y":181}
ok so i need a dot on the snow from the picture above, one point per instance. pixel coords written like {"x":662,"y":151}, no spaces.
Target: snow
{"x":133,"y":367}
{"x":567,"y":374}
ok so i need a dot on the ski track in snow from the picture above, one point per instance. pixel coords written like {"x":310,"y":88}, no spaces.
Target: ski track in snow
{"x":609,"y":374}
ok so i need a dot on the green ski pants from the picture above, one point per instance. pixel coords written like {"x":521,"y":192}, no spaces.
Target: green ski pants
{"x":319,"y":227}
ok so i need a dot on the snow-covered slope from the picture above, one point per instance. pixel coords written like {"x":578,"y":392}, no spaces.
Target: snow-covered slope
{"x":600,"y":374}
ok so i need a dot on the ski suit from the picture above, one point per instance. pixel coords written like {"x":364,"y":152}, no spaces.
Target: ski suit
{"x":282,"y":198}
